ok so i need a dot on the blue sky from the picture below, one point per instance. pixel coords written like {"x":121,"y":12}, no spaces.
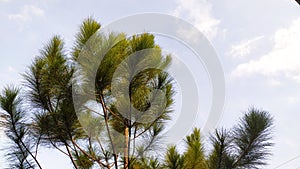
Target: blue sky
{"x":257,"y":43}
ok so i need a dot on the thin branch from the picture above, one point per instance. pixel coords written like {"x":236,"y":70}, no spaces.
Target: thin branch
{"x":59,"y":149}
{"x":94,"y":111}
{"x":70,"y":156}
{"x":147,"y":128}
{"x":108,"y":130}
{"x":37,"y":146}
{"x":88,"y":155}
{"x":21,"y":141}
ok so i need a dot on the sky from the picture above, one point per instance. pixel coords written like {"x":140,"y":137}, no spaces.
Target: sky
{"x":257,"y":43}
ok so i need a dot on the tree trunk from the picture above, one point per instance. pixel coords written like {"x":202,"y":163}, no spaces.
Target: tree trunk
{"x":126,"y":148}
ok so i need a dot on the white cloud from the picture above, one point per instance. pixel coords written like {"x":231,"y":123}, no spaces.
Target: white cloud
{"x":244,"y":48}
{"x":293,"y":99}
{"x":283,"y":59}
{"x":2,"y":135}
{"x":11,"y":69}
{"x":26,"y":13}
{"x":8,"y":75}
{"x":199,"y":13}
{"x":274,"y":82}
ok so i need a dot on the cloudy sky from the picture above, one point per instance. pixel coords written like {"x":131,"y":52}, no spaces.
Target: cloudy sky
{"x":257,"y":43}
